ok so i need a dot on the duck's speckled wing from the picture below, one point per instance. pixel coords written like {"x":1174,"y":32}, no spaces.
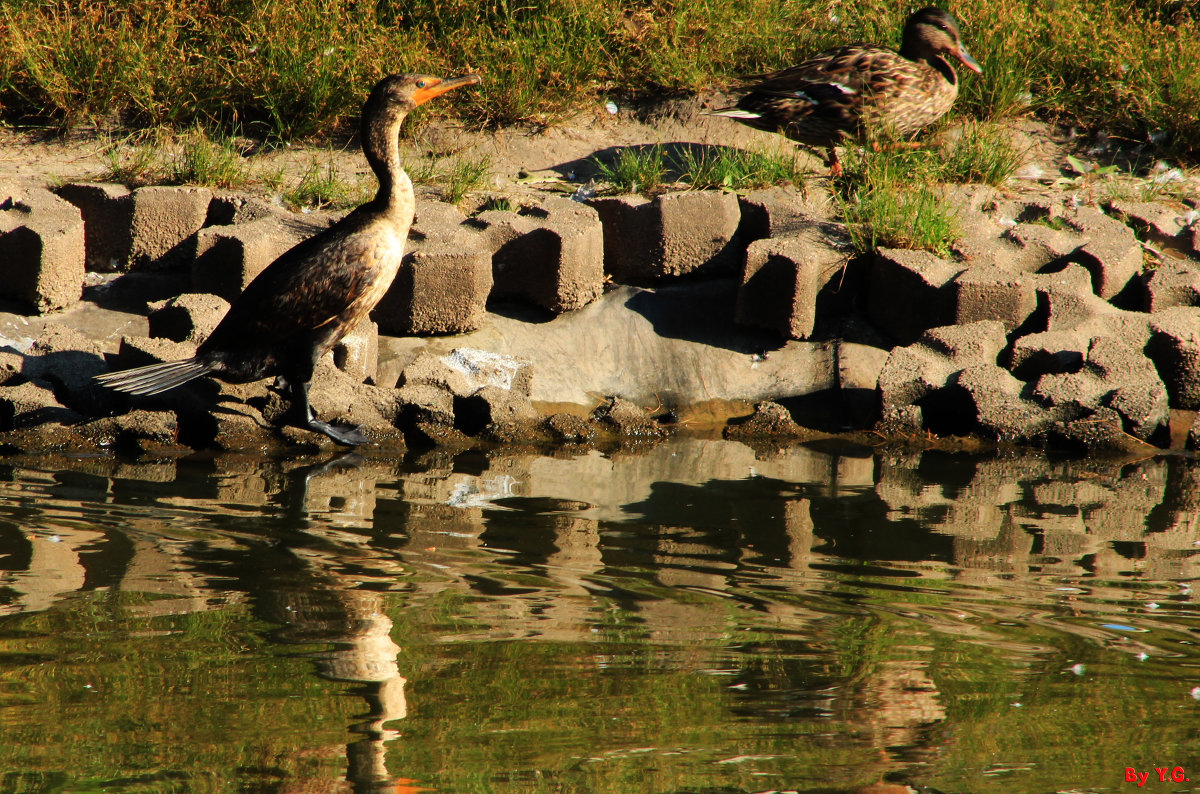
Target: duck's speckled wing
{"x":837,"y":93}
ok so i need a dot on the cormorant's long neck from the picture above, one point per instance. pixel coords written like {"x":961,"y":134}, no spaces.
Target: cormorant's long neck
{"x":381,"y":145}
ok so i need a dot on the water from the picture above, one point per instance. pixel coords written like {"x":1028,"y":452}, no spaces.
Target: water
{"x":695,"y":616}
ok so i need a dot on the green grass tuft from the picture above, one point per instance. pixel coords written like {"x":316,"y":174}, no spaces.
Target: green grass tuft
{"x":322,"y":187}
{"x":465,"y":175}
{"x":634,"y":169}
{"x":203,"y":161}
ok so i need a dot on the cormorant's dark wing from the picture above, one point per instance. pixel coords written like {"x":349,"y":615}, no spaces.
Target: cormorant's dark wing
{"x":309,"y":286}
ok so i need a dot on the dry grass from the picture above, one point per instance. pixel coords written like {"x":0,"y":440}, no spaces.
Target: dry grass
{"x":298,"y":68}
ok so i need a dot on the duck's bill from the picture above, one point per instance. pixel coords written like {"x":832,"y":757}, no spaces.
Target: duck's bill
{"x":967,"y":61}
{"x":422,"y":95}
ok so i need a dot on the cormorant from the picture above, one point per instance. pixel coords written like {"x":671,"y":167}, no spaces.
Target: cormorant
{"x":296,"y":309}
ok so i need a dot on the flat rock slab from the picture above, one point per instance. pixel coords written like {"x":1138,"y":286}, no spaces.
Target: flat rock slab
{"x":645,"y":346}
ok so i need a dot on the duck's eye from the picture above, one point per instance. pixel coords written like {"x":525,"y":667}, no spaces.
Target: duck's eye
{"x":420,"y":84}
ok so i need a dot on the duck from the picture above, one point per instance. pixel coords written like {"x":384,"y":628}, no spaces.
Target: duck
{"x":304,"y":302}
{"x":850,"y":92}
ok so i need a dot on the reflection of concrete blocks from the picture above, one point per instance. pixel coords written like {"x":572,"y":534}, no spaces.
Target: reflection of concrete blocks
{"x":42,"y":251}
{"x":442,"y":287}
{"x":647,"y":241}
{"x":163,"y":219}
{"x":781,"y":280}
{"x":107,"y":214}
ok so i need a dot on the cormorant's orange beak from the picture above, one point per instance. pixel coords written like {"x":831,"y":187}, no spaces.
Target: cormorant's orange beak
{"x":437,"y":87}
{"x":967,"y":61}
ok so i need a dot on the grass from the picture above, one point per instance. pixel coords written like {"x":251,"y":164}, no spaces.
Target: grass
{"x":203,"y":161}
{"x":465,"y":175}
{"x":299,"y":68}
{"x":322,"y":187}
{"x":647,"y":169}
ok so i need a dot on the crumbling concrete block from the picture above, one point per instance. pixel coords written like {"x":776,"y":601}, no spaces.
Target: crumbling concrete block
{"x":189,"y":318}
{"x":229,"y":257}
{"x":107,"y":211}
{"x":1001,"y":409}
{"x":910,"y":292}
{"x":442,"y":287}
{"x":29,"y":404}
{"x":676,"y":234}
{"x":68,"y":360}
{"x":1159,"y":222}
{"x":42,"y":250}
{"x":1174,"y":347}
{"x":357,"y":353}
{"x":990,"y":293}
{"x":769,"y":420}
{"x":552,"y":257}
{"x":1066,"y":300}
{"x":924,"y":370}
{"x":569,"y":428}
{"x":141,"y":351}
{"x":777,"y":212}
{"x":1049,"y":352}
{"x":164,"y":218}
{"x":465,"y":371}
{"x":1036,"y":246}
{"x":781,"y":279}
{"x":627,"y":418}
{"x":1117,"y":375}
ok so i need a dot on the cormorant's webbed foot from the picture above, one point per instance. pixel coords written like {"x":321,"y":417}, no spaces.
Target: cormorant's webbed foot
{"x":343,"y":434}
{"x":302,"y":416}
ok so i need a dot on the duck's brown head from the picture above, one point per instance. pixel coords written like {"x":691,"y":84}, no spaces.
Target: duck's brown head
{"x":930,"y":32}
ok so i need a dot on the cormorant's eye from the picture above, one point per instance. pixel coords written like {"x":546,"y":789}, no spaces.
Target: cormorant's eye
{"x":420,"y":84}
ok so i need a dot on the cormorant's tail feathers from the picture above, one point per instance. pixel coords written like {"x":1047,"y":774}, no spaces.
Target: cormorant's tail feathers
{"x":155,"y":378}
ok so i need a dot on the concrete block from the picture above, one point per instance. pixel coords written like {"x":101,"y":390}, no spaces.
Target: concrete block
{"x":42,"y":245}
{"x":229,"y":257}
{"x":1174,"y":347}
{"x":769,"y":420}
{"x":914,"y":371}
{"x":1158,"y":222}
{"x":649,"y":241}
{"x":1037,"y":246}
{"x":1066,"y":300}
{"x":1110,"y":251}
{"x":781,"y":279}
{"x":189,"y":318}
{"x":989,"y":293}
{"x":1172,"y":283}
{"x":435,"y":219}
{"x":107,"y":211}
{"x":442,"y":287}
{"x":553,"y":257}
{"x":357,"y":353}
{"x":164,"y":218}
{"x":909,"y":292}
{"x":776,"y":212}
